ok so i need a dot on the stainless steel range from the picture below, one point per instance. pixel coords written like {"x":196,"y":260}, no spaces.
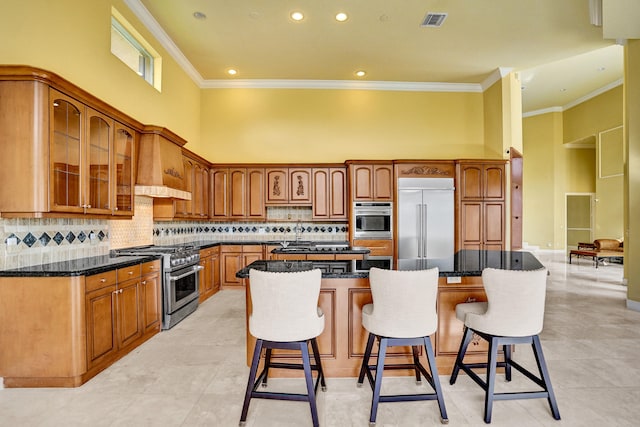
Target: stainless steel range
{"x":180,"y":279}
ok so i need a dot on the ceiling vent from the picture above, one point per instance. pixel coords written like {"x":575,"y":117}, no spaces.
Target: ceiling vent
{"x":434,"y":19}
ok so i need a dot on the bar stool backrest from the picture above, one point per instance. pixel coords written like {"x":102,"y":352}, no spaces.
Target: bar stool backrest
{"x":516,"y":302}
{"x":404,"y":302}
{"x":285,"y":305}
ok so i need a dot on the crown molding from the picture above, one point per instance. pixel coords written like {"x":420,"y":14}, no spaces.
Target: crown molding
{"x":593,"y":94}
{"x":495,"y":76}
{"x":163,"y":38}
{"x":341,"y":84}
{"x":578,"y":101}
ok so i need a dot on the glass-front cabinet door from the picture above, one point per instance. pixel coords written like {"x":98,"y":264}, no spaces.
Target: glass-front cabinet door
{"x":99,"y":146}
{"x":67,"y":128}
{"x":124,"y":142}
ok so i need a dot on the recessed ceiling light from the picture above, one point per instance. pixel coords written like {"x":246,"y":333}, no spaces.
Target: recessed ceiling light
{"x":232,"y":71}
{"x":360,"y":73}
{"x":199,"y":15}
{"x":297,"y":16}
{"x":341,"y":17}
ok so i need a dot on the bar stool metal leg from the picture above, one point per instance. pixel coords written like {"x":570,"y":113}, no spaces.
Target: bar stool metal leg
{"x":382,"y":352}
{"x":309,"y":380}
{"x":415,"y":350}
{"x":491,"y":378}
{"x":466,"y":339}
{"x":436,"y":380}
{"x":544,"y":373}
{"x":365,"y":361}
{"x":252,"y":377}
{"x":316,"y":356}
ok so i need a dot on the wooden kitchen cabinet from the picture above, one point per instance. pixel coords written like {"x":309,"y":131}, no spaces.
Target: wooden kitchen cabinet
{"x":480,"y":200}
{"x":210,"y":274}
{"x":234,"y":258}
{"x":288,"y":185}
{"x":329,"y":195}
{"x":371,"y":182}
{"x":69,"y":154}
{"x":196,"y":182}
{"x":450,"y":329}
{"x":237,"y":193}
{"x":151,"y":287}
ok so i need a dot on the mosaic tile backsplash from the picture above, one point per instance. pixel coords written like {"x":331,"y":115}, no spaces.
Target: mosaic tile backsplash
{"x":34,"y":241}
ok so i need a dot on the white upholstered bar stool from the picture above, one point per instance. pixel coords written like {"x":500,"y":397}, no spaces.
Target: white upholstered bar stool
{"x":285,"y":316}
{"x":513,"y":314}
{"x":403,"y":313}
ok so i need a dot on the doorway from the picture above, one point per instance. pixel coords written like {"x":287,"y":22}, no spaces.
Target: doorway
{"x":579,"y":210}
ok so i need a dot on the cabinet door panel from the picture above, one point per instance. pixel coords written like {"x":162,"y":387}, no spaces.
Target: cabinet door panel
{"x":129,"y":321}
{"x":219,"y":195}
{"x":231,"y":264}
{"x":277,"y":186}
{"x":450,"y":329}
{"x":123,"y":150}
{"x":300,"y":185}
{"x":321,"y":193}
{"x":255,"y":194}
{"x":151,"y":294}
{"x":362,"y":182}
{"x":337,"y":193}
{"x":494,"y":223}
{"x":67,"y":118}
{"x":100,"y":315}
{"x":471,"y":182}
{"x":471,"y":223}
{"x":237,"y":195}
{"x":383,"y":182}
{"x":494,"y":182}
{"x":99,"y":153}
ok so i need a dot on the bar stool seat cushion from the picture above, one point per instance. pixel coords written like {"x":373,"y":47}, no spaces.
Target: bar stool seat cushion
{"x":470,"y":307}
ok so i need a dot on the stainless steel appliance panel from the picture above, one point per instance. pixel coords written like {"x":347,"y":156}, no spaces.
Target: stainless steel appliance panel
{"x":373,"y":220}
{"x":425,"y":222}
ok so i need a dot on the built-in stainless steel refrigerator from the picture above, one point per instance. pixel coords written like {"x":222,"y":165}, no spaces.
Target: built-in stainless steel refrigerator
{"x":425,"y":223}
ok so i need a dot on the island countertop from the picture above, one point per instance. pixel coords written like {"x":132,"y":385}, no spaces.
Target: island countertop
{"x":462,"y":263}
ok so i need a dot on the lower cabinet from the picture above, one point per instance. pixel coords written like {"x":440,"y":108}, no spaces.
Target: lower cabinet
{"x":119,"y":310}
{"x":234,"y":258}
{"x":210,"y":273}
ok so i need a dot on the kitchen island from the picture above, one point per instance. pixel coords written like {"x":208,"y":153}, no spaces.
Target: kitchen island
{"x":343,"y":294}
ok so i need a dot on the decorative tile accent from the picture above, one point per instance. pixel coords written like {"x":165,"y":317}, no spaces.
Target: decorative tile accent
{"x":29,"y":239}
{"x":58,"y":238}
{"x":44,"y":239}
{"x":70,"y":237}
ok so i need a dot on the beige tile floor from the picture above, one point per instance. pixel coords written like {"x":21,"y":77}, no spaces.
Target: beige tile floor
{"x":194,"y":374}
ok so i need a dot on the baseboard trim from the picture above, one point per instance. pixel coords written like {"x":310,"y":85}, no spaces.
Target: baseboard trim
{"x":633,"y":305}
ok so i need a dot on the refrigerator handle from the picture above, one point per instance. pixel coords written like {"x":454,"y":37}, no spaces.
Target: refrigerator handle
{"x":424,"y":231}
{"x":419,"y":233}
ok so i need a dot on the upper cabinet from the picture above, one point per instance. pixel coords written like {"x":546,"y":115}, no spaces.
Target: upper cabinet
{"x":480,"y":204}
{"x":64,"y":152}
{"x":329,"y":193}
{"x":237,"y":193}
{"x":482,"y":180}
{"x":196,"y":182}
{"x":371,"y":181}
{"x":290,"y":186}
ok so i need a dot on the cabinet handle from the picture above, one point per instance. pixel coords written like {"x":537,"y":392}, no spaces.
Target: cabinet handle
{"x":144,"y":282}
{"x":103,"y":280}
{"x":121,"y":290}
{"x":470,"y":299}
{"x":130,"y":273}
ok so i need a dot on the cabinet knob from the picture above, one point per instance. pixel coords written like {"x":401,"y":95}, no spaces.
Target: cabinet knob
{"x":103,"y":280}
{"x":144,"y":282}
{"x":130,"y":273}
{"x":121,"y":290}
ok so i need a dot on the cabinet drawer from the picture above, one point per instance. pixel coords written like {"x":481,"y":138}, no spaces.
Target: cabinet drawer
{"x":377,"y":247}
{"x":98,"y":281}
{"x":252,"y":249}
{"x":231,"y":249}
{"x":204,"y":253}
{"x":127,"y":273}
{"x":151,"y":267}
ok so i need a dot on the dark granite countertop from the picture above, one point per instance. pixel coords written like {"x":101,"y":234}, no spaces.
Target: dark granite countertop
{"x":462,"y":263}
{"x":321,"y":249}
{"x":78,"y":267}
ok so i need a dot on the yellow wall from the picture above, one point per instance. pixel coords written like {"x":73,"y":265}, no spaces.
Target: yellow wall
{"x":542,"y":134}
{"x":590,"y":119}
{"x":310,"y":125}
{"x":72,"y":38}
{"x":493,"y":106}
{"x":632,"y":142}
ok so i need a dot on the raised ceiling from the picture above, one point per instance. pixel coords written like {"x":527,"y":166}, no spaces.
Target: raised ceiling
{"x":558,"y":54}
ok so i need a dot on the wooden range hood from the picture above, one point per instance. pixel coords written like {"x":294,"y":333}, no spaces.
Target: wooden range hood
{"x":160,"y":167}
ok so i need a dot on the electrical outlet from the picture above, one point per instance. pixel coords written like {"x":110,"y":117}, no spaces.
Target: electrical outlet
{"x":454,"y":279}
{"x":12,"y":241}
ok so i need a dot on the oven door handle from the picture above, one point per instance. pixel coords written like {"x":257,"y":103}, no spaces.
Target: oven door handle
{"x":194,"y":270}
